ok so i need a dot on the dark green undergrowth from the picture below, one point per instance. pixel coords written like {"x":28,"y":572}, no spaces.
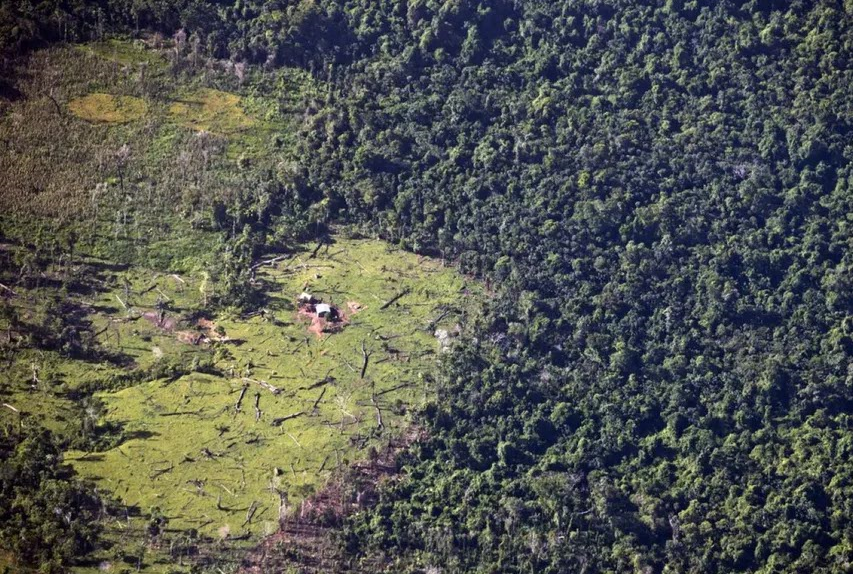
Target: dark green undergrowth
{"x":47,"y":517}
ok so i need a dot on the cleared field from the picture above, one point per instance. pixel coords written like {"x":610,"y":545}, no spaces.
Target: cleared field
{"x":120,"y":114}
{"x":108,"y":109}
{"x":211,"y":110}
{"x":209,"y":426}
{"x":271,"y":404}
{"x":204,"y":461}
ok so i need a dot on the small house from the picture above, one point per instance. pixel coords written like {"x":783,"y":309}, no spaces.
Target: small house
{"x":305,"y":298}
{"x":324,"y":310}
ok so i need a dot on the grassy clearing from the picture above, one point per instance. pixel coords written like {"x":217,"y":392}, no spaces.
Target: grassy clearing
{"x":78,"y":106}
{"x":204,"y":464}
{"x":107,"y":108}
{"x":212,"y":111}
{"x":186,"y":452}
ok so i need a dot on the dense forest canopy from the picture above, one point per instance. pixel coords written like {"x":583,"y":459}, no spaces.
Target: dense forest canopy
{"x":659,"y":194}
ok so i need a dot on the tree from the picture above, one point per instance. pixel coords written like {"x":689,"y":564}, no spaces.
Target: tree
{"x":49,"y":519}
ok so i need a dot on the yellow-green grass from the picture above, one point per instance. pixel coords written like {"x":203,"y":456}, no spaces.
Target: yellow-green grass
{"x":204,"y":464}
{"x":247,"y":125}
{"x":212,"y":111}
{"x":107,"y":108}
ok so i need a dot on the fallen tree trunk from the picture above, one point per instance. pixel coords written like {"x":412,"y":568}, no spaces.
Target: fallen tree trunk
{"x":179,"y":413}
{"x":324,"y":381}
{"x":251,"y":512}
{"x":269,"y":261}
{"x":240,"y":398}
{"x":376,"y":406}
{"x":264,"y":384}
{"x":366,"y":357}
{"x":277,"y":421}
{"x":317,"y":402}
{"x":395,"y":298}
{"x":160,"y":471}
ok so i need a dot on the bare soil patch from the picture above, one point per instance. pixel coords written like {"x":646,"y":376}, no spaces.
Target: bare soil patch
{"x":304,"y":542}
{"x":322,"y":326}
{"x":161,"y":321}
{"x":170,"y":325}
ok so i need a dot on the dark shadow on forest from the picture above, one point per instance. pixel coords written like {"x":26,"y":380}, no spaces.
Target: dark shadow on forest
{"x":8,"y":91}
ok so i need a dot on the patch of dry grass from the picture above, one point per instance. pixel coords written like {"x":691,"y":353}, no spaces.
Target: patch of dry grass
{"x":107,"y":108}
{"x":211,"y":110}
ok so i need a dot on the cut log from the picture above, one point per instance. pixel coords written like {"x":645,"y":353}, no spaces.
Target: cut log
{"x":437,"y":320}
{"x":264,"y":384}
{"x":317,"y":402}
{"x":324,"y":381}
{"x":160,"y":471}
{"x":179,"y":413}
{"x":251,"y":512}
{"x":376,"y":406}
{"x":366,"y":356}
{"x":166,"y":297}
{"x":240,"y":398}
{"x":395,"y":298}
{"x":277,"y":421}
{"x":394,"y":388}
{"x":269,"y":261}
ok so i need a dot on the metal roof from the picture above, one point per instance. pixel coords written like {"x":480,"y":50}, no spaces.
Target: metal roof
{"x":322,"y":308}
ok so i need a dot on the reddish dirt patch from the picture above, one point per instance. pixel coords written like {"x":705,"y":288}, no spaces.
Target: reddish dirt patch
{"x":320,"y":326}
{"x":165,"y":323}
{"x":208,"y":327}
{"x":304,"y":542}
{"x":169,"y":324}
{"x":316,"y":323}
{"x":190,"y":337}
{"x":354,"y":307}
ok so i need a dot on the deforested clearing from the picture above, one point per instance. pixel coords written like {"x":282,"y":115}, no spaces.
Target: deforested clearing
{"x":108,"y":108}
{"x":263,"y":411}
